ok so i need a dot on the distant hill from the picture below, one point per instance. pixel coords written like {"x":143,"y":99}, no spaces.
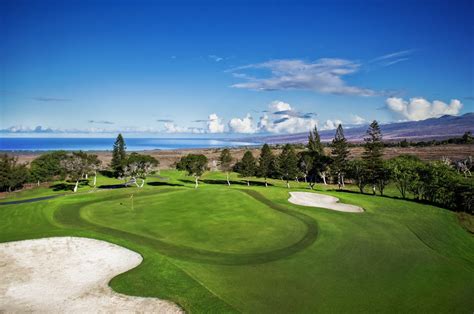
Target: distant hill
{"x":429,"y":129}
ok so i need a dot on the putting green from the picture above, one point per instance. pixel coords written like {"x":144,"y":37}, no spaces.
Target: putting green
{"x":229,"y":221}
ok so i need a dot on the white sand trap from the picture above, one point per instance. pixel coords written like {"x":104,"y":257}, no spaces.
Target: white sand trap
{"x":68,"y":274}
{"x":321,"y":200}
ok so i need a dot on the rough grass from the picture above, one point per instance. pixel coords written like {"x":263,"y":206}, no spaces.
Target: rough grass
{"x":240,"y":249}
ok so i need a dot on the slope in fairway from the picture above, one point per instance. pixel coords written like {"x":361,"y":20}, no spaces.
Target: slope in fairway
{"x":218,"y":219}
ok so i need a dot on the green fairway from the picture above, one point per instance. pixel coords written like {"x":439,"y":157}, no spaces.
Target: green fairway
{"x":247,"y":249}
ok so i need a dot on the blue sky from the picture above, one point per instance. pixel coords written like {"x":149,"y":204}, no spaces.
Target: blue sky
{"x":238,"y":67}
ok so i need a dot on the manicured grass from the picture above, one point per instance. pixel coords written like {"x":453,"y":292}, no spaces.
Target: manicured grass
{"x":247,"y":249}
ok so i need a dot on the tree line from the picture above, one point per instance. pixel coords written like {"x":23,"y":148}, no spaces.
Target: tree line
{"x":434,"y":182}
{"x":75,"y":167}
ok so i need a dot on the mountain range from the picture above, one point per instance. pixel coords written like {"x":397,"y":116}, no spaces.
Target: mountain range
{"x":430,"y":129}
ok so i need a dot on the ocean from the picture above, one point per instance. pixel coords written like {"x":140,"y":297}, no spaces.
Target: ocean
{"x":104,"y":144}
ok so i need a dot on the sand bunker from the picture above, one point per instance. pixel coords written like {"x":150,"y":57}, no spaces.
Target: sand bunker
{"x":321,"y":200}
{"x":69,"y":274}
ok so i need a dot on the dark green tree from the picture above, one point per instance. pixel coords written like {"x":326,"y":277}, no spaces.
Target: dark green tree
{"x":372,"y":155}
{"x":247,"y":167}
{"x":316,"y":156}
{"x":119,"y":156}
{"x":288,"y":164}
{"x":404,"y":171}
{"x":314,"y":142}
{"x":356,"y":170}
{"x":225,"y":163}
{"x":265,"y":163}
{"x":340,"y":154}
{"x":47,"y":167}
{"x":12,"y":174}
{"x":194,"y":164}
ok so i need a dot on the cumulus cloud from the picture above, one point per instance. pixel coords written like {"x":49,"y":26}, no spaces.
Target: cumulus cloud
{"x":26,"y":129}
{"x":419,"y":108}
{"x":323,"y":76}
{"x":356,"y":119}
{"x":331,"y":124}
{"x":214,"y":124}
{"x":280,"y":118}
{"x":244,"y":125}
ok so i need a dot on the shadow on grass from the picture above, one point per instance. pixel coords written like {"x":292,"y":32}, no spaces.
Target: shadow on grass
{"x":233,"y":182}
{"x":112,"y":186}
{"x":164,"y":184}
{"x":414,"y":200}
{"x":68,"y":186}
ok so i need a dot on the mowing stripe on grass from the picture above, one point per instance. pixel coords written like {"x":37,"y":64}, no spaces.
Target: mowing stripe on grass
{"x":69,"y":216}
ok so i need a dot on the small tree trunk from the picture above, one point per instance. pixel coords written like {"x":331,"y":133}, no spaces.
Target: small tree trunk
{"x":324,"y":178}
{"x":373,"y":189}
{"x":297,"y":180}
{"x":266,"y":183}
{"x":228,"y":182}
{"x":248,"y":182}
{"x":342,"y":180}
{"x":95,"y":178}
{"x":38,"y":183}
{"x":196,"y":182}
{"x":143,"y":183}
{"x":87,"y":176}
{"x":76,"y":186}
{"x":305,"y":181}
{"x":287,"y":184}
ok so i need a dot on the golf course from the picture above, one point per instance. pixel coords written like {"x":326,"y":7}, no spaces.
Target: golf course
{"x":239,"y":248}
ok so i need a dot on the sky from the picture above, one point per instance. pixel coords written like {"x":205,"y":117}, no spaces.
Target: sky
{"x":230,"y":68}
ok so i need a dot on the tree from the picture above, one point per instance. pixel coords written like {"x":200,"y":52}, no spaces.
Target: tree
{"x":247,"y":167}
{"x":372,"y":155}
{"x":383,"y":177}
{"x":139,"y":166}
{"x":76,"y":165}
{"x":288,"y":164}
{"x":265,"y":163}
{"x":194,"y":164}
{"x":225,"y":162}
{"x":314,"y":142}
{"x":305,"y":163}
{"x":358,"y":173}
{"x":340,"y":154}
{"x":93,"y":164}
{"x":12,"y":174}
{"x":315,"y":156}
{"x":119,"y":156}
{"x":47,"y":167}
{"x":404,"y":171}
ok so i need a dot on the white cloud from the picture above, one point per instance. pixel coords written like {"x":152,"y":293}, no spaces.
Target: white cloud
{"x":244,"y":125}
{"x":171,"y":127}
{"x":282,"y":118}
{"x":215,"y":58}
{"x":323,"y":75}
{"x":277,"y":105}
{"x":356,"y":119}
{"x":214,"y":124}
{"x":419,"y":108}
{"x":331,"y":124}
